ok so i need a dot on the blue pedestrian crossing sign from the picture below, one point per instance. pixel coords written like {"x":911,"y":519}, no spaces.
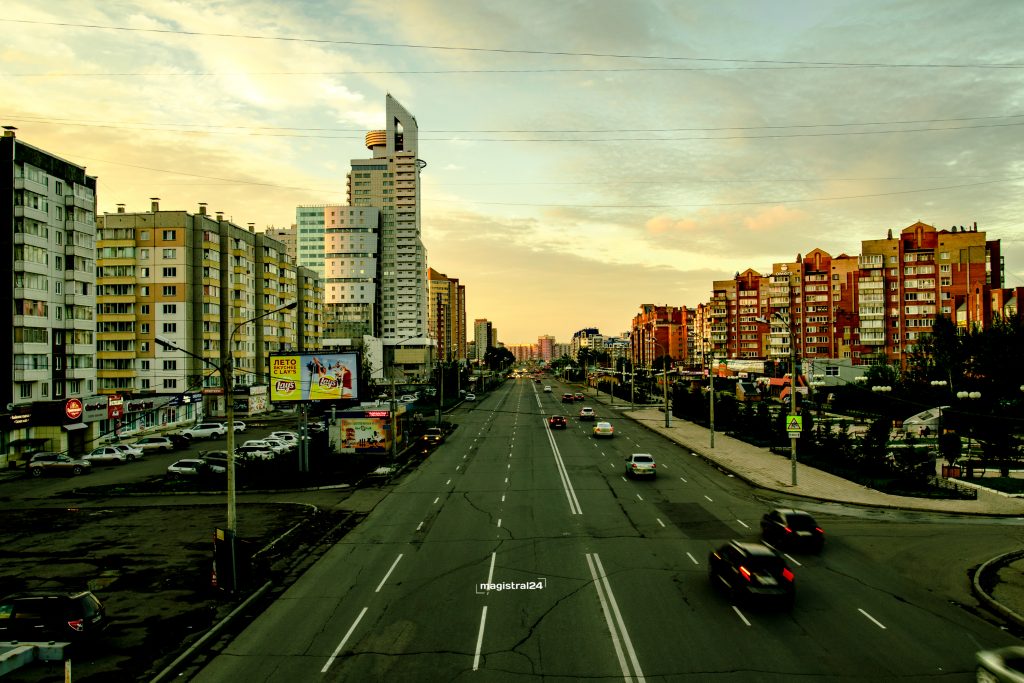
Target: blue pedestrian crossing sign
{"x":794,"y":423}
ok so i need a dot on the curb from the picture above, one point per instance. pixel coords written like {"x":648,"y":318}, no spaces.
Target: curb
{"x":994,"y":565}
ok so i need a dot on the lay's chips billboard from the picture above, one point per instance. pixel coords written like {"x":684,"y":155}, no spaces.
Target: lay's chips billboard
{"x":326,"y":376}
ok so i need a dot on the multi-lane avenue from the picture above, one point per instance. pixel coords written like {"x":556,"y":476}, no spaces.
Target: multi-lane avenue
{"x":515,"y":552}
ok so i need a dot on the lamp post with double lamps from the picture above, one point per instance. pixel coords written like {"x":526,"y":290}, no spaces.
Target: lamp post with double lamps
{"x":225,"y":370}
{"x":664,"y":378}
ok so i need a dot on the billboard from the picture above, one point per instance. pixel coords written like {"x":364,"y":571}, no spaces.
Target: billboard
{"x":325,"y":376}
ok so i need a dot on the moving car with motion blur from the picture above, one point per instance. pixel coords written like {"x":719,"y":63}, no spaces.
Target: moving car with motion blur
{"x":604,"y":430}
{"x":790,"y":529}
{"x":752,"y":573}
{"x":587,"y":413}
{"x":641,"y":465}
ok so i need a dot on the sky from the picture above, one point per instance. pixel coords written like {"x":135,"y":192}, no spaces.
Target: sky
{"x":583,"y":157}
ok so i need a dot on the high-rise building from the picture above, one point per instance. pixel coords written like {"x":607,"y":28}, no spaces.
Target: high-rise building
{"x":546,"y":348}
{"x":289,"y":238}
{"x":447,"y":315}
{"x":481,"y":337}
{"x":390,"y":181}
{"x":47,"y":245}
{"x":659,"y":331}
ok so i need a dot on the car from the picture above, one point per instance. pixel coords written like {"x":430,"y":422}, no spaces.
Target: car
{"x":317,"y":427}
{"x":547,"y":387}
{"x":239,"y":426}
{"x":433,"y":436}
{"x":253,"y":453}
{"x":205,"y":430}
{"x":641,"y":465}
{"x":578,"y":396}
{"x":189,"y":467}
{"x":57,"y":463}
{"x":163,"y":444}
{"x":557,"y":422}
{"x":604,"y":430}
{"x":274,"y":446}
{"x":132,"y":452}
{"x":106,"y":455}
{"x":568,"y":398}
{"x":280,"y":446}
{"x":587,"y":413}
{"x":537,"y":381}
{"x":1005,"y":664}
{"x":284,"y":436}
{"x":407,"y":398}
{"x":790,"y":529}
{"x":43,"y":616}
{"x":179,"y":442}
{"x":218,"y":460}
{"x":470,"y":397}
{"x":752,"y":572}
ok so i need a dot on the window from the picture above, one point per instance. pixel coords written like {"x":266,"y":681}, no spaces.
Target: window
{"x":144,"y":309}
{"x":170,"y":272}
{"x":170,"y":365}
{"x":168,"y":235}
{"x":170,"y":290}
{"x":144,"y":365}
{"x":25,"y":390}
{"x":170,"y":309}
{"x":170,"y":327}
{"x":144,"y":272}
{"x":144,"y":329}
{"x":169,"y":254}
{"x":170,"y":384}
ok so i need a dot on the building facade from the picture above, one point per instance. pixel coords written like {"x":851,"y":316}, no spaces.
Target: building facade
{"x":447,"y":315}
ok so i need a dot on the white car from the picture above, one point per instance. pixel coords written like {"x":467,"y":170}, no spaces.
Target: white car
{"x":205,"y":430}
{"x":284,"y":436}
{"x":239,"y":426}
{"x":547,"y":388}
{"x":132,"y":452}
{"x":155,"y":443}
{"x":408,"y":398}
{"x":470,"y":397}
{"x":280,"y":445}
{"x":106,"y":454}
{"x":275,"y":447}
{"x":192,"y":467}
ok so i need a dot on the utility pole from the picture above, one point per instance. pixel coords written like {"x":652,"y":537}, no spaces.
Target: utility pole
{"x":792,"y":396}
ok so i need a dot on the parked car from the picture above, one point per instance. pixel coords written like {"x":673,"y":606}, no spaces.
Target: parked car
{"x":132,"y":452}
{"x":432,"y":436}
{"x":641,"y":465}
{"x":276,"y":448}
{"x":57,"y":463}
{"x":179,"y":442}
{"x":470,"y":397}
{"x":284,"y":436}
{"x":254,"y":453}
{"x":1003,"y":665}
{"x":107,"y":455}
{"x":604,"y":430}
{"x":48,"y":615}
{"x":557,"y":422}
{"x":205,"y":430}
{"x":587,"y":413}
{"x":752,"y":572}
{"x":162,"y":444}
{"x":219,"y":459}
{"x":190,"y":467}
{"x":239,"y":426}
{"x":790,"y":529}
{"x":281,"y":446}
{"x":407,"y":398}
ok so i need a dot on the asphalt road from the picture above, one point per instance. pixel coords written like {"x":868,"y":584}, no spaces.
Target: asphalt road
{"x":603,"y":577}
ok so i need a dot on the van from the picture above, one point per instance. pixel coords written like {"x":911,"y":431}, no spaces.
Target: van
{"x":205,"y":430}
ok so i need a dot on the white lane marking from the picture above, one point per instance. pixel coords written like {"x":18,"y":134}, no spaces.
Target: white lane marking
{"x":480,"y":639}
{"x":623,"y":478}
{"x":351,"y":628}
{"x":618,"y":618}
{"x":638,"y":496}
{"x":743,"y":524}
{"x":692,"y":558}
{"x":708,"y":497}
{"x":419,"y":526}
{"x":499,"y":522}
{"x":458,"y":467}
{"x":737,"y":610}
{"x":506,"y":480}
{"x":683,"y":480}
{"x":792,"y":559}
{"x":509,"y":466}
{"x":394,"y":564}
{"x":608,"y":620}
{"x":503,"y":498}
{"x":877,"y":622}
{"x":660,"y":522}
{"x":614,"y":466}
{"x":448,"y":482}
{"x":664,"y":466}
{"x":563,"y":473}
{"x":463,"y":457}
{"x":437,"y":499}
{"x":490,"y":572}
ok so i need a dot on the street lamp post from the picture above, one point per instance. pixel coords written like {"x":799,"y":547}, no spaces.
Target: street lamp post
{"x":788,"y":322}
{"x":711,"y":397}
{"x":225,"y":370}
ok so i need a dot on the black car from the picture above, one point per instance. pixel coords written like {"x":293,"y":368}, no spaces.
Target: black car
{"x":44,"y":616}
{"x":752,"y":572}
{"x":179,"y":441}
{"x":791,"y":529}
{"x":557,"y":422}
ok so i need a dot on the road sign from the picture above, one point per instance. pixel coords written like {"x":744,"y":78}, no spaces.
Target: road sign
{"x":794,"y":423}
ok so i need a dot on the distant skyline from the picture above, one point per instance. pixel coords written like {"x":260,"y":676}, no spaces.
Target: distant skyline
{"x":582,"y":158}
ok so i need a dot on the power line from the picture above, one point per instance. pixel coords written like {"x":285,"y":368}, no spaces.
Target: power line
{"x":560,"y":53}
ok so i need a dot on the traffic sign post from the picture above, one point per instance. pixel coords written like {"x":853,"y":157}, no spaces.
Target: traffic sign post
{"x":794,"y":425}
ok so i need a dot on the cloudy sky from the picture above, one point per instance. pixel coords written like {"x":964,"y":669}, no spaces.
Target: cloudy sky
{"x":584,"y":157}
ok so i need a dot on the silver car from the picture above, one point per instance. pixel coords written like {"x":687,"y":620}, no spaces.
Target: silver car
{"x":106,"y":455}
{"x":641,"y":465}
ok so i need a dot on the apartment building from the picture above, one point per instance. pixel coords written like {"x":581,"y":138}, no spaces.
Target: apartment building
{"x":588,"y":338}
{"x":193,"y":279}
{"x":482,"y":337}
{"x":546,"y":348}
{"x":447,"y":315}
{"x":660,"y":331}
{"x":47,"y":243}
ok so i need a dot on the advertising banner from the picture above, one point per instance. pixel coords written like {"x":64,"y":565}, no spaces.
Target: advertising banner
{"x":364,"y":435}
{"x":327,"y":376}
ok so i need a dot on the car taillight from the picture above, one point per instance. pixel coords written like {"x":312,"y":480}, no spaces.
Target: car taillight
{"x":634,"y":465}
{"x":745,"y":573}
{"x":819,"y":530}
{"x":653,"y":465}
{"x":77,"y":624}
{"x":787,"y":575}
{"x":788,"y":530}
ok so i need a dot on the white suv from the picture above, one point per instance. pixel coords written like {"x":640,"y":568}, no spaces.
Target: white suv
{"x":205,"y":430}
